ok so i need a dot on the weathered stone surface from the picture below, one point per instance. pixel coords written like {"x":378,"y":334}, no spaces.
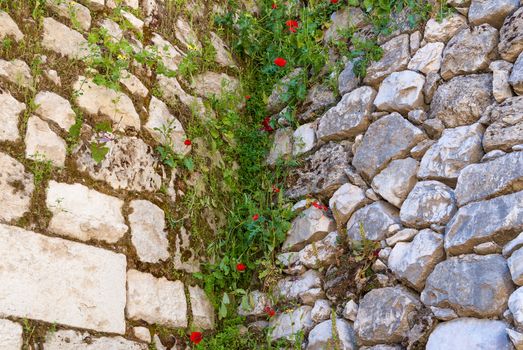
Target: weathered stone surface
{"x":16,"y":188}
{"x":500,"y":80}
{"x":405,"y":235}
{"x":321,"y":336}
{"x":223,"y":56}
{"x":321,"y":253}
{"x":142,"y":333}
{"x":53,"y":107}
{"x":186,"y":35}
{"x":214,"y":84}
{"x":427,"y":59}
{"x":319,"y":98}
{"x":396,"y":181}
{"x":323,"y":172}
{"x":72,"y":340}
{"x":129,"y":164}
{"x":170,"y":55}
{"x":78,"y":14}
{"x":16,"y":72}
{"x":444,"y":30}
{"x":516,"y":77}
{"x":376,"y":218}
{"x":347,"y":80}
{"x":275,"y":102}
{"x":321,"y":310}
{"x":486,"y":180}
{"x":487,"y":248}
{"x":134,"y":21}
{"x":515,"y":264}
{"x":9,"y":28}
{"x":42,"y":143}
{"x":350,"y":117}
{"x":202,"y":309}
{"x":155,"y":300}
{"x":55,"y":280}
{"x":491,"y":12}
{"x":10,"y":332}
{"x":345,"y":201}
{"x":165,"y":128}
{"x":9,"y":116}
{"x":304,"y":139}
{"x":498,"y":220}
{"x":514,"y":244}
{"x":148,"y":231}
{"x":342,"y":19}
{"x":413,"y":262}
{"x":470,"y":333}
{"x":385,"y":315}
{"x":418,"y":151}
{"x":396,"y":56}
{"x":389,"y":138}
{"x":258,"y":301}
{"x":171,"y":89}
{"x":516,"y":338}
{"x":281,"y":146}
{"x":417,"y":116}
{"x":100,"y":100}
{"x":457,"y":148}
{"x":432,"y":82}
{"x":350,"y":311}
{"x":511,"y":36}
{"x":469,"y":51}
{"x":515,"y":305}
{"x":133,"y":85}
{"x":84,"y":214}
{"x":288,"y":324}
{"x":290,"y":288}
{"x":64,"y":40}
{"x":113,"y":29}
{"x":462,"y":100}
{"x":472,"y":285}
{"x":400,"y":92}
{"x":506,"y":128}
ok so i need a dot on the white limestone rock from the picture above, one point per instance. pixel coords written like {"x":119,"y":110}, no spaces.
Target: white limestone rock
{"x":290,"y":288}
{"x":322,"y":336}
{"x":442,"y":31}
{"x":202,"y":309}
{"x":9,"y":28}
{"x":350,"y":311}
{"x":186,"y":35}
{"x":515,"y":305}
{"x":310,"y":226}
{"x":64,"y":40}
{"x":10,"y":334}
{"x":148,"y":234}
{"x":73,"y":340}
{"x":401,"y":92}
{"x":56,"y":280}
{"x":43,"y":144}
{"x":16,"y":72}
{"x":281,"y":146}
{"x":288,"y":324}
{"x":304,"y":139}
{"x":84,"y":214}
{"x":345,"y":201}
{"x":257,"y":302}
{"x":53,"y":107}
{"x":9,"y":117}
{"x":209,"y":84}
{"x":500,"y":80}
{"x":142,"y":333}
{"x":513,"y":245}
{"x":171,"y":89}
{"x":396,"y":181}
{"x":170,"y":55}
{"x":516,"y":76}
{"x":223,"y":56}
{"x":511,"y":36}
{"x":376,"y":218}
{"x":427,"y":59}
{"x":78,"y":14}
{"x":134,"y":85}
{"x":515,"y":264}
{"x":516,"y":338}
{"x":322,"y":253}
{"x":156,"y":300}
{"x":396,"y":56}
{"x":321,"y":310}
{"x":491,"y":12}
{"x":16,"y":189}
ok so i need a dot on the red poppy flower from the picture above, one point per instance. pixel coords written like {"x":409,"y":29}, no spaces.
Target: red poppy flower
{"x":319,"y":206}
{"x":275,"y":189}
{"x":334,"y":1}
{"x":241,"y":267}
{"x":248,"y":97}
{"x":196,"y":337}
{"x":266,"y":123}
{"x":274,"y":6}
{"x":269,"y":311}
{"x":292,"y":25}
{"x":280,"y":62}
{"x":187,"y":142}
{"x":255,"y":217}
{"x":376,"y":253}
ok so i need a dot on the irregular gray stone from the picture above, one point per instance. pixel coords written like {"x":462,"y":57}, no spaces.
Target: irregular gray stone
{"x":516,"y":77}
{"x":515,"y":264}
{"x":396,"y":181}
{"x":59,"y":281}
{"x":53,"y":107}
{"x":445,"y":29}
{"x":73,"y":340}
{"x":391,"y":137}
{"x":281,"y":146}
{"x":514,"y":244}
{"x":429,"y":202}
{"x":457,"y":148}
{"x":310,"y":226}
{"x":257,"y":302}
{"x":462,"y":100}
{"x":9,"y":116}
{"x":469,"y":51}
{"x":432,"y":82}
{"x":491,"y":12}
{"x":515,"y":305}
{"x":155,"y":300}
{"x":186,"y":35}
{"x":129,"y":164}
{"x":290,"y":288}
{"x":350,"y":117}
{"x":498,"y":220}
{"x":516,"y":338}
{"x":10,"y":332}
{"x":486,"y":180}
{"x":16,"y":72}
{"x":16,"y":189}
{"x":400,"y":92}
{"x":214,"y":84}
{"x":322,"y":253}
{"x":9,"y":28}
{"x":385,"y":315}
{"x":471,"y":285}
{"x":321,"y":337}
{"x":345,"y":201}
{"x":376,"y":219}
{"x":202,"y":309}
{"x":223,"y":56}
{"x":418,"y":151}
{"x":427,"y":59}
{"x":63,"y":40}
{"x":506,"y":128}
{"x":487,"y":248}
{"x":350,"y":311}
{"x":171,"y":56}
{"x":275,"y":102}
{"x":148,"y":234}
{"x":347,"y":80}
{"x":417,"y":116}
{"x":142,"y":333}
{"x":304,"y":139}
{"x":470,"y":333}
{"x":500,"y":80}
{"x":134,"y":85}
{"x":346,"y":17}
{"x":319,"y":98}
{"x":43,"y":144}
{"x":78,"y":14}
{"x":511,"y":36}
{"x":321,"y":310}
{"x":443,"y":314}
{"x":287,"y":325}
{"x":413,"y":262}
{"x":77,"y":213}
{"x":396,"y":56}
{"x":405,"y":235}
{"x":323,"y":172}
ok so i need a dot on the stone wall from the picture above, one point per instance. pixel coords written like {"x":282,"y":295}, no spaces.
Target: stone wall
{"x":424,"y":158}
{"x":90,"y":257}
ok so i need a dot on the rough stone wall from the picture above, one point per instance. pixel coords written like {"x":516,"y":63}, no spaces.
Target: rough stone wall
{"x":425,"y":157}
{"x":89,"y":258}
